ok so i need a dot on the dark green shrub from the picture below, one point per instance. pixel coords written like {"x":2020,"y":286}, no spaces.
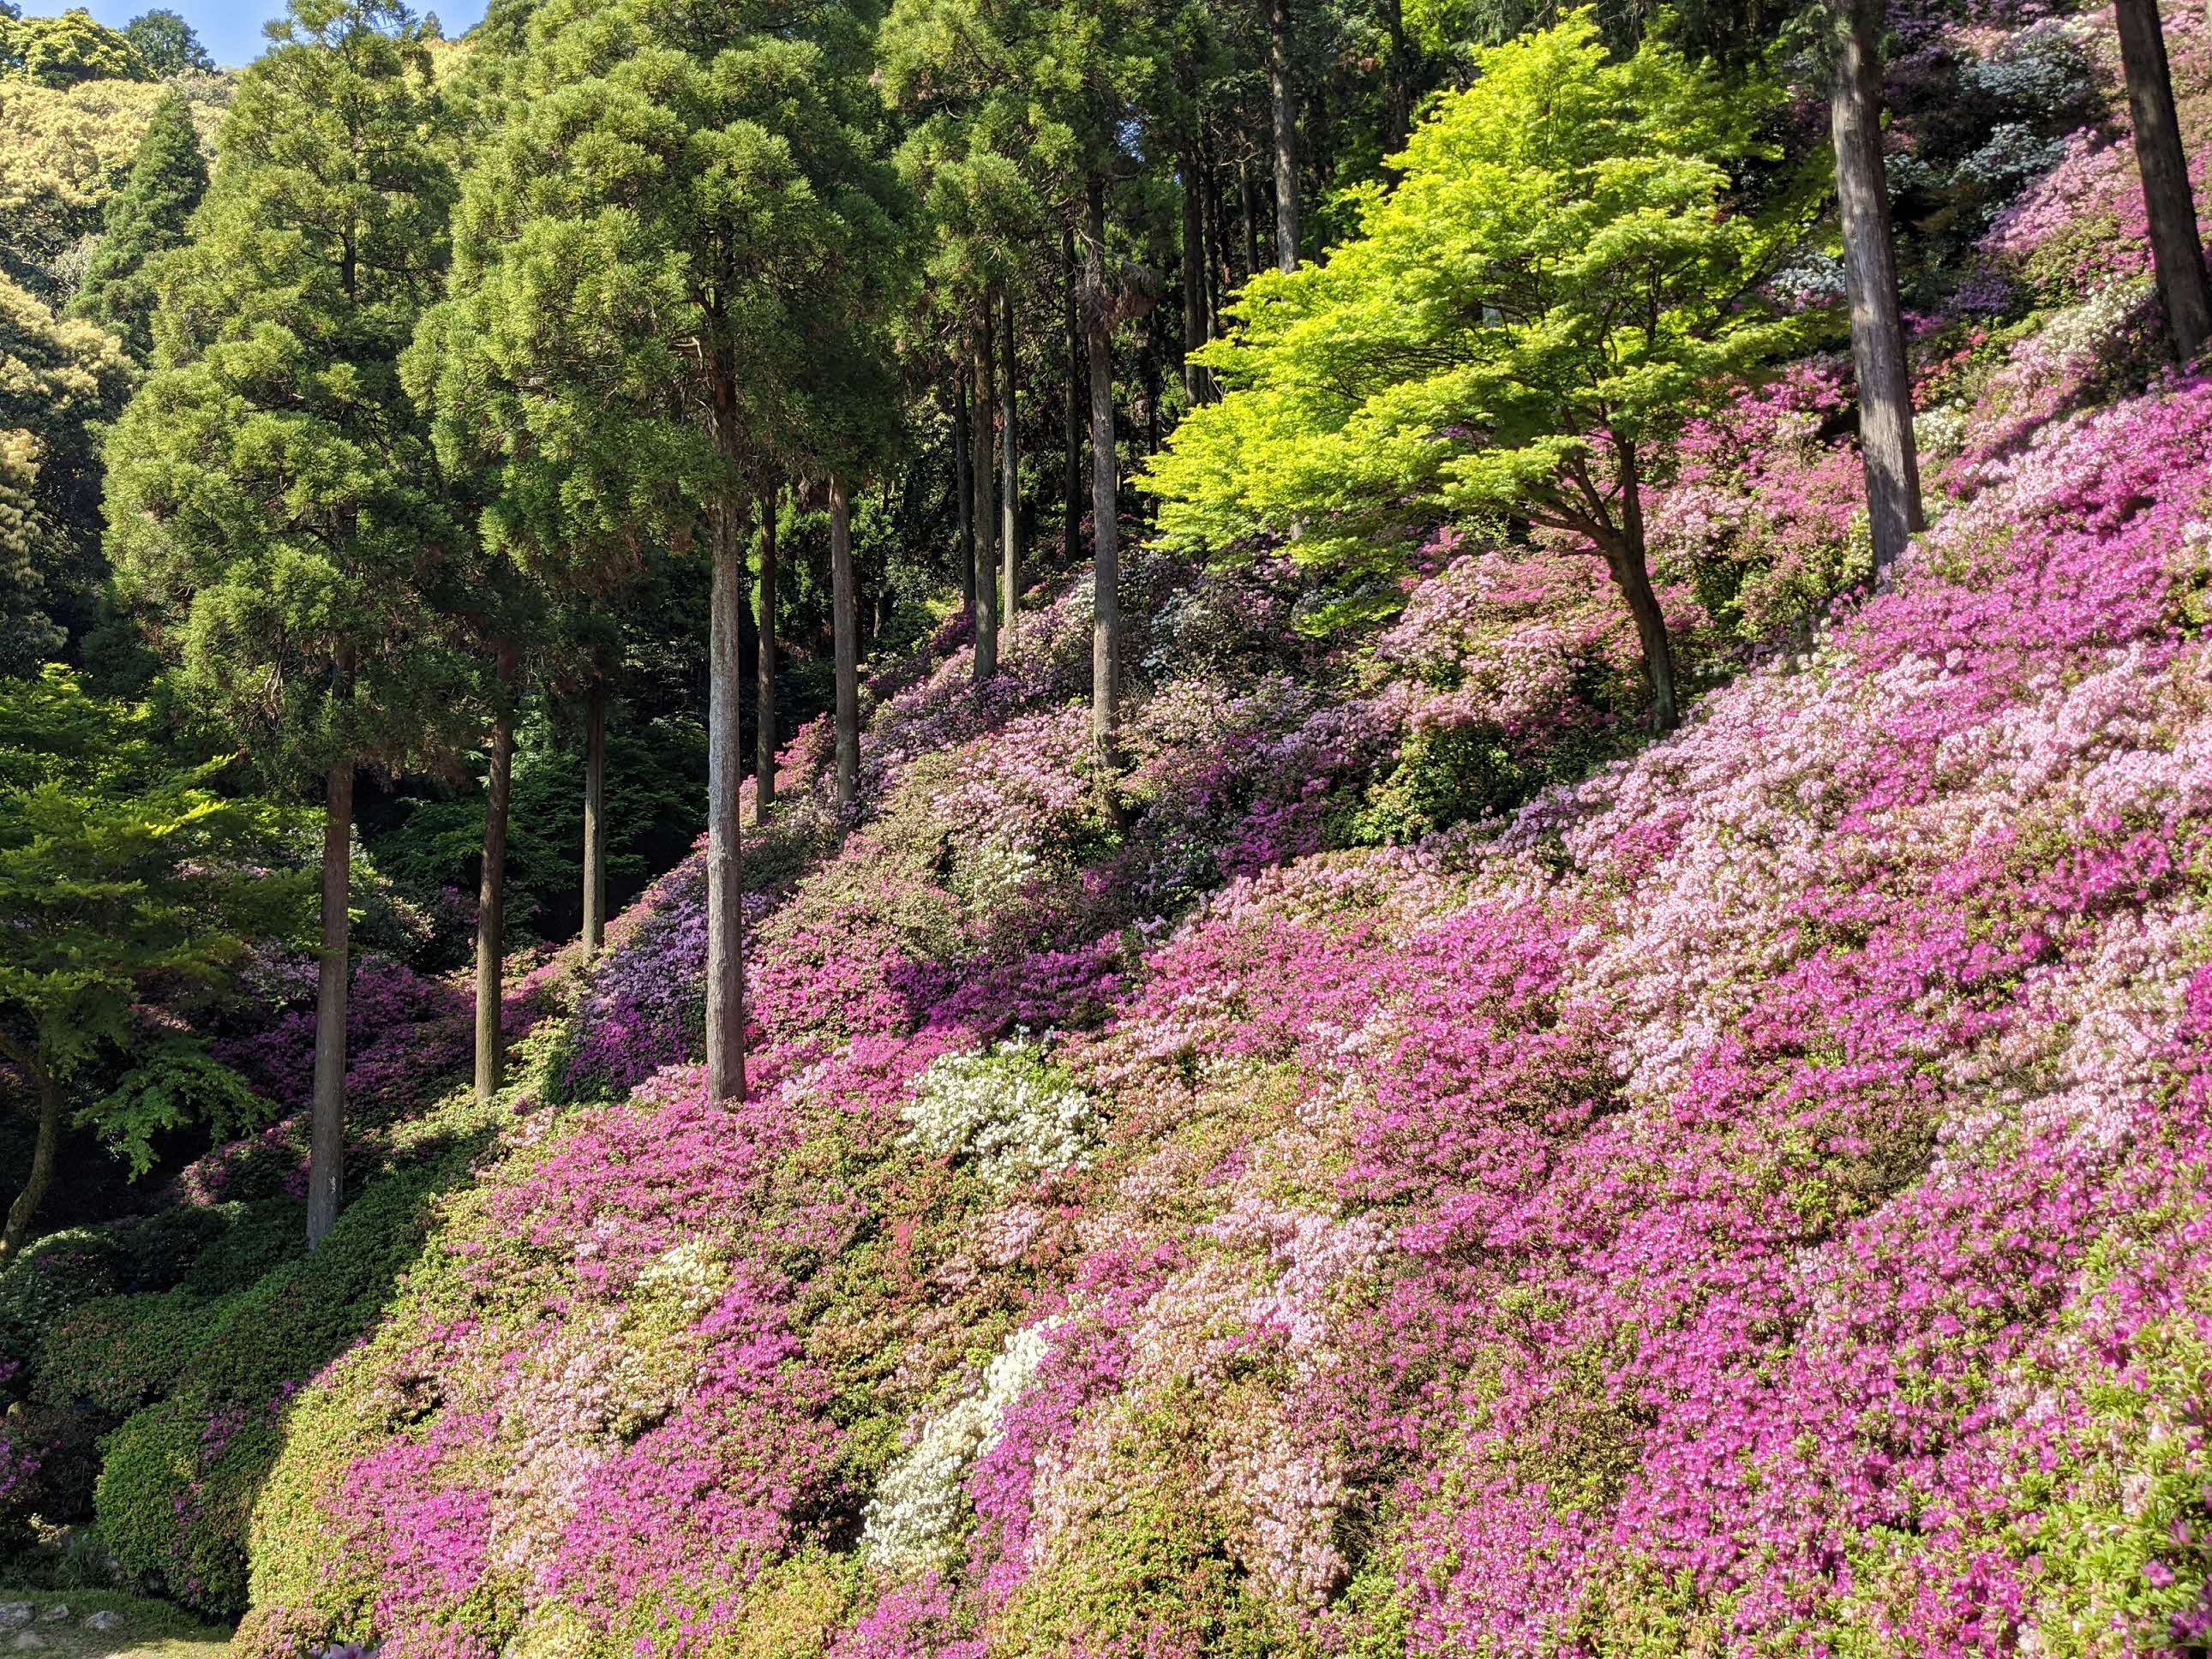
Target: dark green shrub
{"x":259,"y":1235}
{"x":292,"y":1320}
{"x":52,"y":1279}
{"x":158,"y":1249}
{"x":123,"y":1351}
{"x":178,"y":1481}
{"x":64,"y":1443}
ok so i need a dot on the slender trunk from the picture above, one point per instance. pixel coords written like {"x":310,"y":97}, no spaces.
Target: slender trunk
{"x":1151,"y":377}
{"x":844,"y":604}
{"x":726,"y":767}
{"x":1010,"y":485}
{"x":44,"y":1153}
{"x":1632,"y":573}
{"x":1251,"y":220}
{"x":1071,"y":412}
{"x":964,"y":484}
{"x":1397,"y":84}
{"x":491,"y":899}
{"x":986,"y":513}
{"x":1217,"y":246}
{"x":1106,"y":612}
{"x":327,"y":1115}
{"x":1286,"y":126}
{"x":2177,"y":254}
{"x":1196,"y":383}
{"x":1892,"y":466}
{"x":764,"y":686}
{"x":595,"y":820}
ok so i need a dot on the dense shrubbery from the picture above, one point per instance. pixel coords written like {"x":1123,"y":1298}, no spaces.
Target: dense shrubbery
{"x":1421,"y":1171}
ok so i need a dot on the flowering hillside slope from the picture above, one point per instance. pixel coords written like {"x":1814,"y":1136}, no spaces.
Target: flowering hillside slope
{"x":1749,"y":1196}
{"x":1755,"y":1199}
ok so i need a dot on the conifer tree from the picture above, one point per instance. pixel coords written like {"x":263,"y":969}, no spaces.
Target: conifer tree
{"x":638,"y":249}
{"x":272,"y":505}
{"x":145,"y":219}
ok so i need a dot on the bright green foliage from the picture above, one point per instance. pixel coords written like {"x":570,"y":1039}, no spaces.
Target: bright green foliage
{"x":165,"y":43}
{"x":1558,"y":282}
{"x":145,"y":219}
{"x":60,"y":51}
{"x":270,"y":497}
{"x":638,"y":254}
{"x":118,"y":873}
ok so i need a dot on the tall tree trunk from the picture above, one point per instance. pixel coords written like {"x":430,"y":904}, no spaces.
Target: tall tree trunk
{"x":44,"y":1153}
{"x":1196,"y":382}
{"x":982,"y":460}
{"x":844,"y":605}
{"x":2177,"y":254}
{"x":1010,"y":485}
{"x":1245,"y":189}
{"x":1397,"y":83}
{"x":725,"y":770}
{"x":595,"y":820}
{"x":327,"y":1114}
{"x":1106,"y":602}
{"x":1631,"y":571}
{"x":1893,"y":465}
{"x":764,"y":687}
{"x":491,"y":896}
{"x":1285,"y":132}
{"x":1216,"y":233}
{"x":1149,"y":377}
{"x":964,"y":484}
{"x":1071,"y":411}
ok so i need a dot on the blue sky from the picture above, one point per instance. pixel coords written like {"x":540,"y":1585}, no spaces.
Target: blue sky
{"x":231,"y":29}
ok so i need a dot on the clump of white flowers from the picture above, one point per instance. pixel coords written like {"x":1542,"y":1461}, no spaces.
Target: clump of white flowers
{"x":917,"y":1513}
{"x":1010,"y":1112}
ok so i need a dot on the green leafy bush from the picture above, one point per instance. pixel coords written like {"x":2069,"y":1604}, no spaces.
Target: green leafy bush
{"x":121,"y":1352}
{"x":179,"y":1480}
{"x":174,"y":1493}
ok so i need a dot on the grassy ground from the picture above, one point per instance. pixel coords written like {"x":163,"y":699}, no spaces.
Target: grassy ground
{"x":150,"y":1630}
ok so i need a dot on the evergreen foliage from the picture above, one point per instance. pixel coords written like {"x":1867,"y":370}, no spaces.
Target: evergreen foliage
{"x":145,"y":219}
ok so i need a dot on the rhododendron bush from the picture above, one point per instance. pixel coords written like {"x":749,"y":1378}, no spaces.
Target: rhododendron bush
{"x":1755,"y":1198}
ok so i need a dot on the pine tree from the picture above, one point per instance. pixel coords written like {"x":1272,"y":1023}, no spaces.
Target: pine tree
{"x":272,"y":505}
{"x":637,"y":253}
{"x":144,"y":220}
